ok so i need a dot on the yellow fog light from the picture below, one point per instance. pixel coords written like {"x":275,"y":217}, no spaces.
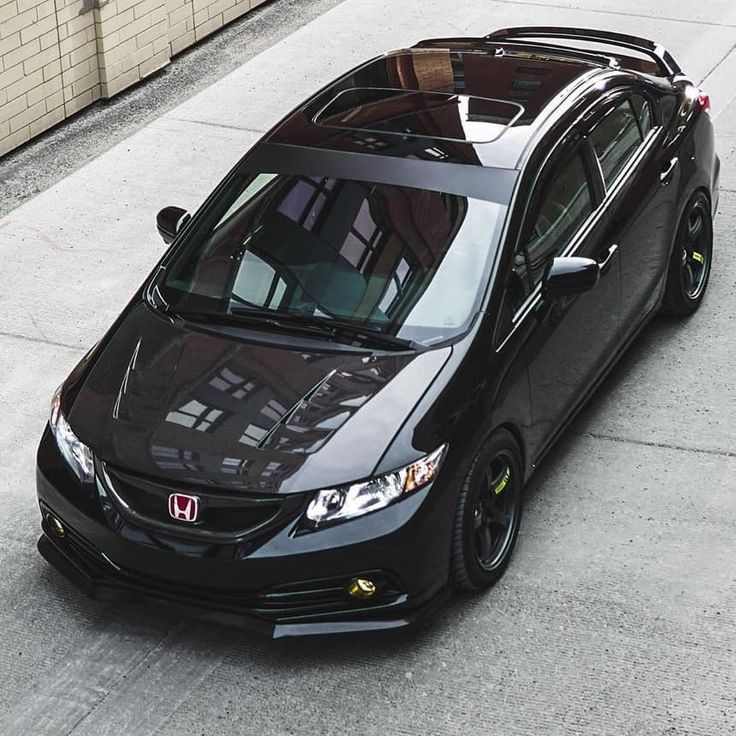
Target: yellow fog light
{"x":56,"y":526}
{"x":361,"y":588}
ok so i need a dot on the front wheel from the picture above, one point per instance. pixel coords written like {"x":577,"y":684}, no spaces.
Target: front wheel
{"x":690,"y":263}
{"x":488,"y":513}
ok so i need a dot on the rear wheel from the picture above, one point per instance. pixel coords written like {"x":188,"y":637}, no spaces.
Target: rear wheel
{"x":488,"y":514}
{"x":690,"y":264}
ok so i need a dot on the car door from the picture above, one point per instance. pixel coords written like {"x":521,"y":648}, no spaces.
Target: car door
{"x":569,"y":341}
{"x":641,"y":184}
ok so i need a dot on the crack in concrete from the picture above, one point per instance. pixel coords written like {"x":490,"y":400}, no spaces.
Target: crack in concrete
{"x":41,"y":341}
{"x":648,"y":443}
{"x":214,"y":125}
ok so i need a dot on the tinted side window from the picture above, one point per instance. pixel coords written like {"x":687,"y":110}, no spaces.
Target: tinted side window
{"x":643,"y":113}
{"x":556,"y":215}
{"x":615,"y":140}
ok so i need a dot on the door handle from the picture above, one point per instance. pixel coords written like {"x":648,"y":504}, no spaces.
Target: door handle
{"x":605,"y":264}
{"x":668,"y":170}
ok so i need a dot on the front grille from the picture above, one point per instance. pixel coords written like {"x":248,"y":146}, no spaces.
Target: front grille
{"x":224,"y":516}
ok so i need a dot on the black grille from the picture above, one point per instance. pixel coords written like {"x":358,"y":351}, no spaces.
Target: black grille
{"x":224,"y":516}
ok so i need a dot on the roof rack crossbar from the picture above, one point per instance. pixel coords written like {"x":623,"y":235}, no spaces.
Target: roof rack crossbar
{"x":667,"y":65}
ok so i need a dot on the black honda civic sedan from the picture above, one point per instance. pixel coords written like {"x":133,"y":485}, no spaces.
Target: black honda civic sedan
{"x":319,"y":412}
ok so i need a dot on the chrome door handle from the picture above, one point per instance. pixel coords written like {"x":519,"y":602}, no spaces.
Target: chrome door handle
{"x":605,"y":264}
{"x":666,"y":176}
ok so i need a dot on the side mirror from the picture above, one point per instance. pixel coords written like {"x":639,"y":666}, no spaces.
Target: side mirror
{"x":169,"y":221}
{"x":566,"y":277}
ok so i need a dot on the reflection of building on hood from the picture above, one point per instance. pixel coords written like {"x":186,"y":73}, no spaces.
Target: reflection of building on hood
{"x":198,"y":405}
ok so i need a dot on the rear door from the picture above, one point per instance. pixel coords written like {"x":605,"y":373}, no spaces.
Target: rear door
{"x":641,"y":184}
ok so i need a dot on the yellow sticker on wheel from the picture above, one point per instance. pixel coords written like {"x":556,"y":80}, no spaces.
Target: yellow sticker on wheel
{"x":503,"y":482}
{"x":698,"y":257}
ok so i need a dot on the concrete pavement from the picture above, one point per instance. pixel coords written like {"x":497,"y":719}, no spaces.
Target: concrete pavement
{"x":616,"y":614}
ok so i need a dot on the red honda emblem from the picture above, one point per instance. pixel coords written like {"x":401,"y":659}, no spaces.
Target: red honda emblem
{"x":183,"y":507}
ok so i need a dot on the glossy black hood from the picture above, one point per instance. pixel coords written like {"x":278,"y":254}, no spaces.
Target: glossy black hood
{"x":213,"y":409}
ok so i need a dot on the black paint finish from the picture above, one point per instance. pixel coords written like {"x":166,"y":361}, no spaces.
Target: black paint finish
{"x":254,"y":420}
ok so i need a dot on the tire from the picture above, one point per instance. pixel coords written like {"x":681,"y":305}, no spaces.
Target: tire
{"x":493,"y":478}
{"x":690,"y":262}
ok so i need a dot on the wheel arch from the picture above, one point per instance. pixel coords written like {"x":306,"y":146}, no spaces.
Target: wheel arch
{"x":682,"y":205}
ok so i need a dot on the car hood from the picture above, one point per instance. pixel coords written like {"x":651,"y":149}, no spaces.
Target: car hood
{"x":209,"y":408}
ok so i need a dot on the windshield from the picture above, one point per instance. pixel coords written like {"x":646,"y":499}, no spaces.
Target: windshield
{"x":400,"y":261}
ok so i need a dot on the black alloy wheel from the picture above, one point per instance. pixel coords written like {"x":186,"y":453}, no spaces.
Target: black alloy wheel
{"x":488,"y":514}
{"x":691,"y":260}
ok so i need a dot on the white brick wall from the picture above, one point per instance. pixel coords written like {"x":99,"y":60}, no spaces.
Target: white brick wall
{"x":29,"y":100}
{"x":181,"y":24}
{"x":58,"y":56}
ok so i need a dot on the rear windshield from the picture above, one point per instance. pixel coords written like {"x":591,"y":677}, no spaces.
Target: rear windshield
{"x":407,"y":262}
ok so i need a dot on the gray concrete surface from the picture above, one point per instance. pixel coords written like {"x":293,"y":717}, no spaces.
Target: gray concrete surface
{"x":616,"y":616}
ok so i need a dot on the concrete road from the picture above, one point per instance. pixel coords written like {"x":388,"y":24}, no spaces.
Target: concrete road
{"x":616,"y":616}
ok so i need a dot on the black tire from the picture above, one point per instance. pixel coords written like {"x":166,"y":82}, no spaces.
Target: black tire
{"x":477,"y":563}
{"x":690,"y":263}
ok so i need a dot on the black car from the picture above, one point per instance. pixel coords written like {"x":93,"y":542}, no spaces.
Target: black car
{"x":319,"y":412}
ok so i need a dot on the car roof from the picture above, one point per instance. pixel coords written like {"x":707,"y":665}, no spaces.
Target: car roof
{"x":454,"y":102}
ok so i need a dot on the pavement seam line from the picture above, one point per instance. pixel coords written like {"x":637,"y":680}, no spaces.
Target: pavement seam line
{"x":646,"y":443}
{"x":149,"y":653}
{"x":619,"y":12}
{"x":717,"y":64}
{"x":212,"y":665}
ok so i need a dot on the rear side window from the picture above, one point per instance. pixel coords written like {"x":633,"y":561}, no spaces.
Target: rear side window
{"x":615,"y":140}
{"x":563,"y":206}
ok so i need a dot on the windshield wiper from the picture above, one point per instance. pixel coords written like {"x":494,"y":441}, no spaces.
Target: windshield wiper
{"x":335,"y":326}
{"x":259,"y":320}
{"x":325,"y":327}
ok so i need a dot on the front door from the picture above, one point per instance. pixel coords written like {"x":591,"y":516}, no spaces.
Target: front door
{"x":569,"y":341}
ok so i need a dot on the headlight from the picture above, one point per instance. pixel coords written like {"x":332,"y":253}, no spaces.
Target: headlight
{"x":77,"y":454}
{"x":336,"y":504}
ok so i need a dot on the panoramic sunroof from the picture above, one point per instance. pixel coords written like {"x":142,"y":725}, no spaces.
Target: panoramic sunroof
{"x":418,"y":114}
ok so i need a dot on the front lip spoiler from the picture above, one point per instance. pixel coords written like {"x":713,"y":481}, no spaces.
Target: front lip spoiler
{"x":110,"y":588}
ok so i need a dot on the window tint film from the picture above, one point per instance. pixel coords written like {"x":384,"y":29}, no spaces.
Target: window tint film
{"x":564,"y":205}
{"x":643,"y":113}
{"x":405,"y":261}
{"x":615,"y":140}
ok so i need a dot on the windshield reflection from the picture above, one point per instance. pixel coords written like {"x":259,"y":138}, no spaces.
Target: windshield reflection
{"x":408,"y":261}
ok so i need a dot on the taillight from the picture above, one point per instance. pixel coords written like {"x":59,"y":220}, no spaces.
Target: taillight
{"x":704,"y":101}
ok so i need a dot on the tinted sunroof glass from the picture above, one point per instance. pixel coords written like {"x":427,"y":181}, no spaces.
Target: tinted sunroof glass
{"x":413,"y":113}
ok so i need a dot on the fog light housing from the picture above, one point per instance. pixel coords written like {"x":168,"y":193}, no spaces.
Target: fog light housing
{"x":361,"y":588}
{"x":56,"y":526}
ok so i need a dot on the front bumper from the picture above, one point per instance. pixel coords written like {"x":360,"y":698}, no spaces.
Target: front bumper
{"x":285,"y":586}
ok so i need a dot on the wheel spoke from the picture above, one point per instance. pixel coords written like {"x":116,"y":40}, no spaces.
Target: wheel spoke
{"x":485,"y":542}
{"x":694,"y":226}
{"x":497,"y":517}
{"x":689,"y":277}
